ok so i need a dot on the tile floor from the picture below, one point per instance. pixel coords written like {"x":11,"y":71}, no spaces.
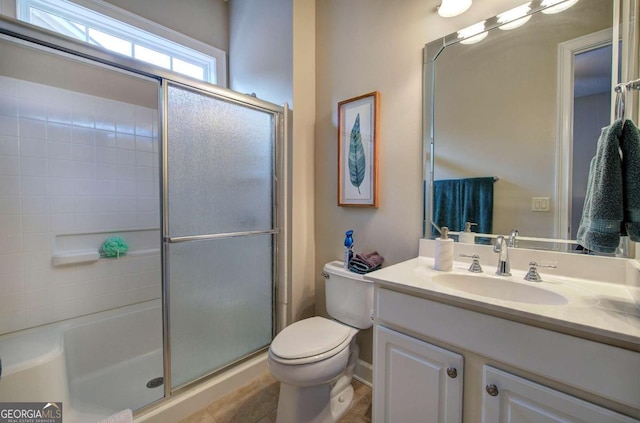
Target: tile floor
{"x":258,"y":401}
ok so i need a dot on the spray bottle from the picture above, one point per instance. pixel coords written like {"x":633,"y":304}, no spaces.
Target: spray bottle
{"x":348,"y":248}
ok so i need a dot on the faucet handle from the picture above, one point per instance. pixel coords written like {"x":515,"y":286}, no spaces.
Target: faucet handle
{"x":536,"y":264}
{"x":533,"y":275}
{"x":475,"y":264}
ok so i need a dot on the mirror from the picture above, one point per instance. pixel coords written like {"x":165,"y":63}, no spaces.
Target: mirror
{"x":523,"y":107}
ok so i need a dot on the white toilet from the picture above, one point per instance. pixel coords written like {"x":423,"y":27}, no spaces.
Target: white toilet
{"x":314,"y":358}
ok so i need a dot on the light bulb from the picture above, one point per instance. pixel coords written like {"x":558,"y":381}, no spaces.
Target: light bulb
{"x":473,"y":34}
{"x":515,"y":17}
{"x":450,"y":8}
{"x":556,"y":6}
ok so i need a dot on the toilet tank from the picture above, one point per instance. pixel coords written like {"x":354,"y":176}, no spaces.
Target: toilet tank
{"x":349,"y":296}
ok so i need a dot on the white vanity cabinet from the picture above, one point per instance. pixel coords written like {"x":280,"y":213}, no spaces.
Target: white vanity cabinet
{"x":417,"y":381}
{"x":513,"y":372}
{"x":512,"y":399}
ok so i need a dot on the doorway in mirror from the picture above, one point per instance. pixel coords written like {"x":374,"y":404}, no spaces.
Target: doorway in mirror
{"x":591,"y":112}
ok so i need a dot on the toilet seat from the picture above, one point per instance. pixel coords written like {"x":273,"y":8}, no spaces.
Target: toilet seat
{"x":310,"y":340}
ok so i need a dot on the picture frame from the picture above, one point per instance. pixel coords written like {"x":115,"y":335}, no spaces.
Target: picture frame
{"x":358,"y":129}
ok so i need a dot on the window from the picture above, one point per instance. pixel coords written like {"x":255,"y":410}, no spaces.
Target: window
{"x":124,"y":36}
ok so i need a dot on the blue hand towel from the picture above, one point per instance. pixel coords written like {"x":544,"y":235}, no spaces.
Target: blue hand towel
{"x":447,"y":205}
{"x":603,"y":210}
{"x":457,"y":201}
{"x":630,"y":147}
{"x":477,"y":200}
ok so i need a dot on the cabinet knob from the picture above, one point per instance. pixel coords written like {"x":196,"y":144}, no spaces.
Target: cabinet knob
{"x":492,"y":390}
{"x":452,"y":372}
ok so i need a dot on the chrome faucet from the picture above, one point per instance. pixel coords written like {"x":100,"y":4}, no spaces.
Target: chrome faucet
{"x":512,"y":238}
{"x":501,"y":247}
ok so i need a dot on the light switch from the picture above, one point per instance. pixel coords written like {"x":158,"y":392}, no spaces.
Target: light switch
{"x":540,"y":204}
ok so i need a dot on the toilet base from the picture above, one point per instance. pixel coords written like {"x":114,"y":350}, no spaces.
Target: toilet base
{"x":340,"y":401}
{"x":324,"y":403}
{"x":312,"y":404}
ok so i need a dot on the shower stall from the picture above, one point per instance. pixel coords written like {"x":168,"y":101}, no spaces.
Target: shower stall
{"x":95,"y":146}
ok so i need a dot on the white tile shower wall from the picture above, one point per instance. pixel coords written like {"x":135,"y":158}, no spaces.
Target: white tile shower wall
{"x":72,"y":163}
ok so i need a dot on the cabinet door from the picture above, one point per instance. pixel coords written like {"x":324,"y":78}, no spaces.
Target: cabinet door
{"x":511,"y":399}
{"x":415,"y":381}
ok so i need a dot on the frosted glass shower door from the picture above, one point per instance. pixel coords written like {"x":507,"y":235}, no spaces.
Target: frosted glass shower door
{"x":219,"y":231}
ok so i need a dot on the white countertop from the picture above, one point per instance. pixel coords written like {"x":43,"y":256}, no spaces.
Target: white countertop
{"x":601,"y":311}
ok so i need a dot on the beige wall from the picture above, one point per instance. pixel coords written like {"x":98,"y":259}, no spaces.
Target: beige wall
{"x":303,"y":240}
{"x":364,"y":46}
{"x":261,"y":49}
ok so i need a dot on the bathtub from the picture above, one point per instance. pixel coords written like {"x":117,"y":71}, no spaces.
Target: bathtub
{"x":95,"y":365}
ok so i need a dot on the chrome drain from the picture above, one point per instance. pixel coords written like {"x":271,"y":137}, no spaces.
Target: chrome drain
{"x":154,"y":383}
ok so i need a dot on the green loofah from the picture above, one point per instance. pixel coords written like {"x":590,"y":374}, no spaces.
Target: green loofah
{"x":115,"y":246}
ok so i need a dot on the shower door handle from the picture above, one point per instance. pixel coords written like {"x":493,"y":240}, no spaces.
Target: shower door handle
{"x":178,"y":239}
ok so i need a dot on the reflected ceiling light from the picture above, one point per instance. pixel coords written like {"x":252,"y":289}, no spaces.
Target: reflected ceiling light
{"x":515,"y":17}
{"x":473,"y":34}
{"x":556,"y":6}
{"x":450,"y":8}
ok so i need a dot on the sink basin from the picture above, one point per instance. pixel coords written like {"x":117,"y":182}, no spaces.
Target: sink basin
{"x":499,"y":288}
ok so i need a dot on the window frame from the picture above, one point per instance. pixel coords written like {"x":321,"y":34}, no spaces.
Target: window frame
{"x":137,"y":30}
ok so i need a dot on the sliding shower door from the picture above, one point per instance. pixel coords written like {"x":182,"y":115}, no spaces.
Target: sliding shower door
{"x":219,"y":226}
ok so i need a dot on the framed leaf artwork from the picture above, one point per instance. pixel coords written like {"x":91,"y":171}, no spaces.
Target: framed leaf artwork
{"x":358,"y":151}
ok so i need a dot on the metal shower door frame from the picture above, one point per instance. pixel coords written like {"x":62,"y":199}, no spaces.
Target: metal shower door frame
{"x":279,"y":130}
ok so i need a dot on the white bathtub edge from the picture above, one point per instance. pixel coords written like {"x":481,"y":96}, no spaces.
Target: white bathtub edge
{"x":24,"y":350}
{"x":199,"y":397}
{"x":29,"y":348}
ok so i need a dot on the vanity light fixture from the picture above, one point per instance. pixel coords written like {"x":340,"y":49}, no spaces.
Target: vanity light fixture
{"x":556,"y":6}
{"x":515,"y":17}
{"x":451,"y":8}
{"x":473,"y":34}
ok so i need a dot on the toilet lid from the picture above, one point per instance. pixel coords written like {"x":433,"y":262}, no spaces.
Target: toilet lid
{"x":309,"y":337}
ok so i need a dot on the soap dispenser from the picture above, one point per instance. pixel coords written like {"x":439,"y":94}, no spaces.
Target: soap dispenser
{"x":467,"y":237}
{"x":444,"y":251}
